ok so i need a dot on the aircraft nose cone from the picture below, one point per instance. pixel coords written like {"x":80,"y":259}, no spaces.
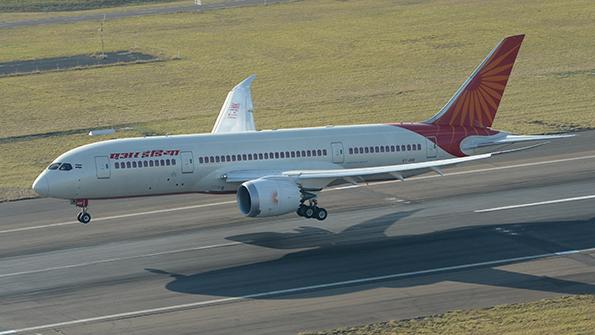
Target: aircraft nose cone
{"x":41,"y":185}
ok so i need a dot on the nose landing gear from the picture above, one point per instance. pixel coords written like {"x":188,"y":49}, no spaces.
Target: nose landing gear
{"x":84,"y":217}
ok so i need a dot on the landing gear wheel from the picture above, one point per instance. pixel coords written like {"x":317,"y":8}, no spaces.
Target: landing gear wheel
{"x":309,"y":212}
{"x":321,"y":214}
{"x":84,"y":217}
{"x":300,"y":211}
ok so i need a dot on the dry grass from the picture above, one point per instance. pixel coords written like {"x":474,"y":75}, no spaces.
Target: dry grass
{"x":560,"y":316}
{"x":318,"y":62}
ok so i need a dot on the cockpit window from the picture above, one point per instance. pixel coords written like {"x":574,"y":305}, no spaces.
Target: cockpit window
{"x":66,"y":167}
{"x":54,"y":166}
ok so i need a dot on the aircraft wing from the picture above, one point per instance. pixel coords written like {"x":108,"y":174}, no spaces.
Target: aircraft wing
{"x":236,"y":114}
{"x":321,"y":178}
{"x":379,"y":170}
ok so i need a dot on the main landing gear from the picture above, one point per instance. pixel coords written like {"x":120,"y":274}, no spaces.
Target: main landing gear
{"x":312,"y":210}
{"x":84,"y":217}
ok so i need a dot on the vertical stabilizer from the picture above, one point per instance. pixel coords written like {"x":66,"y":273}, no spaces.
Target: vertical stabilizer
{"x":476,"y":102}
{"x":236,"y":115}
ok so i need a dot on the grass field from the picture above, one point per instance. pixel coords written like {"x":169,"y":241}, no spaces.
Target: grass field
{"x":317,"y":62}
{"x":560,"y":316}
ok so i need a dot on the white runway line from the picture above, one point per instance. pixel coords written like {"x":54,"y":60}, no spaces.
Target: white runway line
{"x":198,"y":304}
{"x":111,"y":260}
{"x":326,"y":190}
{"x":586,"y":197}
{"x":119,"y":216}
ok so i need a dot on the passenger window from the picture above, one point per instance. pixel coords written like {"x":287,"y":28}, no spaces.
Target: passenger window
{"x":140,"y":164}
{"x":260,"y":156}
{"x":282,"y":154}
{"x":128,"y":165}
{"x":134,"y":164}
{"x":392,"y":148}
{"x":314,"y":153}
{"x":402,"y":147}
{"x":167,"y":162}
{"x":418,"y":146}
{"x":217,"y":159}
{"x":244,"y":157}
{"x":293,"y":154}
{"x":151,"y":164}
{"x":54,"y":166}
{"x":309,"y":153}
{"x":156,"y":162}
{"x":387,"y":148}
{"x":228,"y":158}
{"x":249,"y":157}
{"x":173,"y":162}
{"x":117,"y":165}
{"x":351,"y":151}
{"x":298,"y":154}
{"x":408,"y":147}
{"x":367,"y":149}
{"x":276,"y":155}
{"x":304,"y":153}
{"x":319,"y":152}
{"x":200,"y":160}
{"x":381,"y":149}
{"x":324,"y":152}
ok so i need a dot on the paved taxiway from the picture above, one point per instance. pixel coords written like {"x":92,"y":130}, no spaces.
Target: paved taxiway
{"x":190,"y":264}
{"x":135,"y":11}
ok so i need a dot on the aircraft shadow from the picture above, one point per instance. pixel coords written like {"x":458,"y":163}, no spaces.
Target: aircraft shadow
{"x":364,"y":250}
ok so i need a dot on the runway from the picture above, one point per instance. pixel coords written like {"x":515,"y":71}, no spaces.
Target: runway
{"x":133,"y":11}
{"x":515,"y":228}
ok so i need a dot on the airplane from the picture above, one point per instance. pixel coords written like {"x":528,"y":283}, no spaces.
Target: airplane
{"x":276,"y":172}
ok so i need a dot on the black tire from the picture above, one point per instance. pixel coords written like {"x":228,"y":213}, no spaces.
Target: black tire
{"x":300,"y":211}
{"x":78,"y":217}
{"x":321,"y":214}
{"x":85,"y":218}
{"x":309,"y":212}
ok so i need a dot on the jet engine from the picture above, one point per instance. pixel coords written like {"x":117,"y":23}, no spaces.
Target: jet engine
{"x":268,"y":196}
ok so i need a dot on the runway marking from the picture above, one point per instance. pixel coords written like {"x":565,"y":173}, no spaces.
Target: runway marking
{"x":534,"y":204}
{"x":119,"y":216}
{"x":117,"y":259}
{"x":326,"y":190}
{"x":199,"y":304}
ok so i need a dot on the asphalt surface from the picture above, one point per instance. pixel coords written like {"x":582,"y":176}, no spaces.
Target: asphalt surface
{"x":136,"y":11}
{"x":191,"y":264}
{"x":70,"y":62}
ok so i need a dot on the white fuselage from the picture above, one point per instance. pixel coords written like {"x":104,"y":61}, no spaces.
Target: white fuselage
{"x":199,"y":163}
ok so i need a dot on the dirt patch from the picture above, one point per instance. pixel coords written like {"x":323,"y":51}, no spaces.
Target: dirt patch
{"x":74,"y":62}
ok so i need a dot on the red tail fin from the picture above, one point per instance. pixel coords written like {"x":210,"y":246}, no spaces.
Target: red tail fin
{"x":475,"y":103}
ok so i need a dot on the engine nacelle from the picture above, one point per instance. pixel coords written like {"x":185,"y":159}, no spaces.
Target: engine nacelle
{"x":268,"y":196}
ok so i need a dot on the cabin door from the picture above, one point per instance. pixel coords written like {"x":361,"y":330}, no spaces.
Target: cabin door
{"x":338,"y":154}
{"x":102,"y":166}
{"x":432,"y":148}
{"x":187,"y":162}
